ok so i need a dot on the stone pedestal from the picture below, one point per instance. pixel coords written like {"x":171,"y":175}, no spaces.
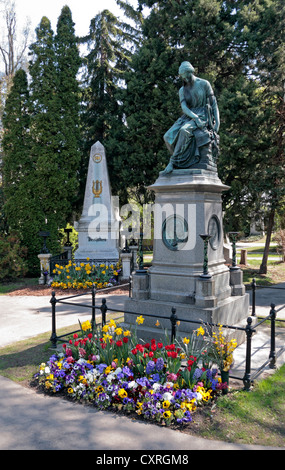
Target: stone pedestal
{"x":45,"y":268}
{"x":188,"y":204}
{"x":236,"y":281}
{"x":134,"y":251}
{"x":126,"y":259}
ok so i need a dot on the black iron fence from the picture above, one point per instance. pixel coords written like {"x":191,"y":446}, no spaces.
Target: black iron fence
{"x":250,"y":329}
{"x":254,"y":287}
{"x":61,"y":258}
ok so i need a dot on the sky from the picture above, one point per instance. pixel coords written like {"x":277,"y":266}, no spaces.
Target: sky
{"x":82,"y":12}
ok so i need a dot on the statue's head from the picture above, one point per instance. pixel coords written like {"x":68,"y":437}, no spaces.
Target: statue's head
{"x":186,"y":70}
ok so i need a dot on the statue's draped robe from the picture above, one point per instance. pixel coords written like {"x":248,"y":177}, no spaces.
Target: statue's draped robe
{"x":184,"y":138}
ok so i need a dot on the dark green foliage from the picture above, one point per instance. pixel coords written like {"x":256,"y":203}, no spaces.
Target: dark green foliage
{"x":21,"y":208}
{"x":13,"y":262}
{"x":237,"y":46}
{"x":42,"y":139}
{"x":109,"y":42}
{"x":69,"y":94}
{"x":151,"y":106}
{"x":55,"y":122}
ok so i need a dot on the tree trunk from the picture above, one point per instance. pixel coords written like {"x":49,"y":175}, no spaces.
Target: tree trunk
{"x":263,"y":266}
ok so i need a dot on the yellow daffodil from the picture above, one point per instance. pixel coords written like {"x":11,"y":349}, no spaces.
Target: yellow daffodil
{"x":86,"y":325}
{"x":200,"y":331}
{"x":140,"y":320}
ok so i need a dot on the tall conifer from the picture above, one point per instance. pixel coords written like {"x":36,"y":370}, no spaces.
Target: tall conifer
{"x":21,"y":207}
{"x":54,"y":122}
{"x":68,"y":63}
{"x":109,"y":48}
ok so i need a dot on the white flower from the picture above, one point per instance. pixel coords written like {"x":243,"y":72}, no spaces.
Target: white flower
{"x":156,"y":386}
{"x":199,"y":396}
{"x":169,"y":384}
{"x":133,"y":384}
{"x":110,"y":377}
{"x":47,"y":370}
{"x":81,"y":361}
{"x":167,"y":396}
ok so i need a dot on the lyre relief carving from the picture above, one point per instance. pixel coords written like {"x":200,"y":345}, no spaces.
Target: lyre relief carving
{"x":97,"y":188}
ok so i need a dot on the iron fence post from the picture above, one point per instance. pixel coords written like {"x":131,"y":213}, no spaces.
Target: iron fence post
{"x":233,"y":236}
{"x":103,"y":309}
{"x":93,"y":321}
{"x":272,"y":354}
{"x":53,"y":337}
{"x":247,"y":376}
{"x":253,"y":285}
{"x":206,"y":274}
{"x":173,"y":319}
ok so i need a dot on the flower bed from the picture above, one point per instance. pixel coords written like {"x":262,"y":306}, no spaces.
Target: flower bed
{"x":110,"y":368}
{"x":84,"y":275}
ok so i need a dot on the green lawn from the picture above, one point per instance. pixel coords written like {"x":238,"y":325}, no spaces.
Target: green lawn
{"x":6,"y":287}
{"x":256,"y":417}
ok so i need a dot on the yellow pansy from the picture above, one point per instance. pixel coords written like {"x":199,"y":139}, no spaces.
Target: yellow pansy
{"x":122,"y":393}
{"x":166,"y":404}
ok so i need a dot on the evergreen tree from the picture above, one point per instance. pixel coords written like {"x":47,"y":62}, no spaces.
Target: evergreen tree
{"x":109,"y":49}
{"x":198,"y":31}
{"x":151,"y":107}
{"x":54,"y":126}
{"x":235,"y":46}
{"x":46,"y":139}
{"x":68,"y":62}
{"x":21,"y":206}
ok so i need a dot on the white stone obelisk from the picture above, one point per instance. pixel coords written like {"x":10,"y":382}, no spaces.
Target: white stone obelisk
{"x":98,"y":227}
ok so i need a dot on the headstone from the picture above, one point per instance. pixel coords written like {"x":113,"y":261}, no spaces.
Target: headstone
{"x":188,"y":271}
{"x":98,"y":227}
{"x":243,"y":257}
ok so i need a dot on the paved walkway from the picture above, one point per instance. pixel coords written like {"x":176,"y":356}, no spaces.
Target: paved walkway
{"x":30,"y":421}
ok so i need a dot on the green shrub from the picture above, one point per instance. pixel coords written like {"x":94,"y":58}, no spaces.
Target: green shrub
{"x":13,"y":262}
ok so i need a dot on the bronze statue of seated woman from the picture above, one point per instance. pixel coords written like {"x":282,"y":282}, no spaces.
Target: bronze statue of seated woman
{"x":193,"y":140}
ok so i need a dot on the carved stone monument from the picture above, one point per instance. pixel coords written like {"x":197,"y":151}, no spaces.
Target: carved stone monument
{"x":98,"y":227}
{"x":188,"y":271}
